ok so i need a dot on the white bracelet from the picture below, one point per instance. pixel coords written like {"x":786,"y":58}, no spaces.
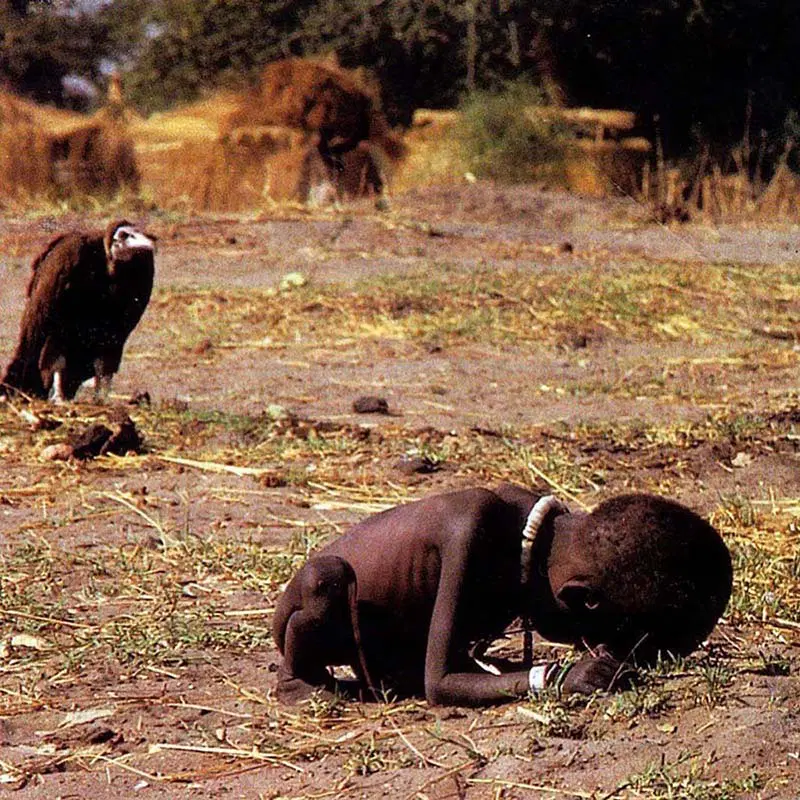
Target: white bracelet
{"x":536,"y":677}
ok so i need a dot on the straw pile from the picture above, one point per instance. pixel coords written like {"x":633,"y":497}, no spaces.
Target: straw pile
{"x":232,"y":152}
{"x":599,"y":158}
{"x":53,"y":154}
{"x":433,"y":150}
{"x":228,"y":152}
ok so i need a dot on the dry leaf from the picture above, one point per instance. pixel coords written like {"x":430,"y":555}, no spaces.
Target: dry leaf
{"x":85,"y":715}
{"x":27,"y":640}
{"x":667,"y":728}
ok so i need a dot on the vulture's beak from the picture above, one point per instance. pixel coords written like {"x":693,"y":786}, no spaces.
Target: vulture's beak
{"x":140,"y":241}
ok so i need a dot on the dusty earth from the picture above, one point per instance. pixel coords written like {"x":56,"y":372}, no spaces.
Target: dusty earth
{"x":516,"y":335}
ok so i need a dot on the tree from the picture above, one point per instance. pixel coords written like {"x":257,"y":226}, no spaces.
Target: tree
{"x":172,"y":50}
{"x":694,"y":66}
{"x":414,"y":47}
{"x":40,"y":45}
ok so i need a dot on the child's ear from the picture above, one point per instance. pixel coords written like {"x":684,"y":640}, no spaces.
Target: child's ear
{"x":579,"y":597}
{"x":568,"y":523}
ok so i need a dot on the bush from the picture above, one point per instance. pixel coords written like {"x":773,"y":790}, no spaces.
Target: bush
{"x":502,"y":142}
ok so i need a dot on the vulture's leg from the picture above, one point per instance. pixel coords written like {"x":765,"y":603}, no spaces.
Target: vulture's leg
{"x":102,"y":387}
{"x":104,"y":368}
{"x":52,"y":364}
{"x":57,"y":389}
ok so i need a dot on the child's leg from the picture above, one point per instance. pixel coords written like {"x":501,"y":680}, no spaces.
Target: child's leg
{"x":313,"y":627}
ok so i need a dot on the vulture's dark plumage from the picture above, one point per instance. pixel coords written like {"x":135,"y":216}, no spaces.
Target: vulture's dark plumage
{"x":86,"y":294}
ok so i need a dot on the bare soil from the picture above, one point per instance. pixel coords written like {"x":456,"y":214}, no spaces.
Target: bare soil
{"x":516,"y":335}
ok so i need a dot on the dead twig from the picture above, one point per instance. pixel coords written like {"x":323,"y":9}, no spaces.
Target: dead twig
{"x":557,"y":486}
{"x":214,"y":466}
{"x":49,"y":620}
{"x":117,"y":497}
{"x":232,"y":752}
{"x":531,"y":787}
{"x":426,"y":760}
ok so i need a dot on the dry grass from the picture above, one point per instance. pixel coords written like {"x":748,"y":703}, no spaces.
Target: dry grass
{"x":672,"y":303}
{"x":742,"y":189}
{"x":246,"y":151}
{"x":168,"y":604}
{"x":433,"y":152}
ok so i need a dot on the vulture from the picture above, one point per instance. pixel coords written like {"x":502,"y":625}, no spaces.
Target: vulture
{"x":86,"y":294}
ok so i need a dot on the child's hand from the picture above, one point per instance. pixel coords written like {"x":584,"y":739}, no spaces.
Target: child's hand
{"x":597,"y":670}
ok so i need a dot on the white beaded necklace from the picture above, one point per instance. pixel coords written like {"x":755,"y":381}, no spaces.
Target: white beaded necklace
{"x":542,"y":507}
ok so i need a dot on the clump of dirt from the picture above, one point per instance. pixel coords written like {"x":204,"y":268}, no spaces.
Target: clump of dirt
{"x":97,"y":439}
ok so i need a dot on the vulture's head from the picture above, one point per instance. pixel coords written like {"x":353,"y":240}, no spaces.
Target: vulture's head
{"x":123,"y":241}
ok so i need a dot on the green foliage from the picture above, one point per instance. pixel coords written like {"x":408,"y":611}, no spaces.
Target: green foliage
{"x":686,"y":779}
{"x":639,"y":701}
{"x":504,"y":143}
{"x":764,"y":582}
{"x":554,"y":716}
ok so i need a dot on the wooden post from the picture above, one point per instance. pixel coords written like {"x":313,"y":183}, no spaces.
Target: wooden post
{"x":114,"y":97}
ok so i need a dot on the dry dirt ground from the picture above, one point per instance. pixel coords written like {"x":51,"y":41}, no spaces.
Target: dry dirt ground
{"x":516,"y":335}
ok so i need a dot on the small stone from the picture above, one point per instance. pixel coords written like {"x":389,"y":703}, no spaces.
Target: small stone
{"x":99,"y":440}
{"x":57,"y":452}
{"x":579,"y":341}
{"x":140,"y":398}
{"x":417,"y":465}
{"x":89,"y":442}
{"x":742,"y":459}
{"x":125,"y":439}
{"x":271,"y":480}
{"x":277,"y":412}
{"x":370,"y":404}
{"x":292,"y":280}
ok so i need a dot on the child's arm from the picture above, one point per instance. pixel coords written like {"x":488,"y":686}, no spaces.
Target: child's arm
{"x":443,"y":685}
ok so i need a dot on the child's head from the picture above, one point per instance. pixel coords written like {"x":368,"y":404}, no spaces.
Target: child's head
{"x":641,"y":575}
